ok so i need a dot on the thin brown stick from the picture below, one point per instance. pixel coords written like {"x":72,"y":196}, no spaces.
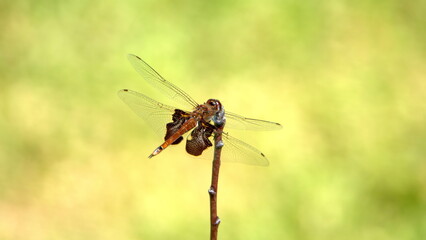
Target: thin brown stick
{"x":214,"y":219}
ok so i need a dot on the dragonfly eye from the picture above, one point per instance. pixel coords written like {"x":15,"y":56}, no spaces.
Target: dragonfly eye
{"x":212,"y":103}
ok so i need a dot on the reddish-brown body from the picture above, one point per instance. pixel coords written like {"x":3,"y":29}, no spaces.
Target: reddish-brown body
{"x":188,"y":125}
{"x":203,"y":112}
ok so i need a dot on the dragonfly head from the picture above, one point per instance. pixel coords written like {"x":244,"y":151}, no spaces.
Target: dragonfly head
{"x":216,"y":107}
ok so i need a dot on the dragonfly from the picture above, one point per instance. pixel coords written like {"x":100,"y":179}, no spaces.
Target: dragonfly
{"x":201,"y":120}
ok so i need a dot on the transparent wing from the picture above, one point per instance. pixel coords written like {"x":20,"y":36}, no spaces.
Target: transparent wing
{"x":235,"y":150}
{"x":157,"y":81}
{"x":236,"y":121}
{"x":154,"y":113}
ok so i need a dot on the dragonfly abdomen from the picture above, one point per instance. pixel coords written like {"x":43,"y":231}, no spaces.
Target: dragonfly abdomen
{"x":188,"y":125}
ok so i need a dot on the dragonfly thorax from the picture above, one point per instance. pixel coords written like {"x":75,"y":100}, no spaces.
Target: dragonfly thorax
{"x":208,"y":110}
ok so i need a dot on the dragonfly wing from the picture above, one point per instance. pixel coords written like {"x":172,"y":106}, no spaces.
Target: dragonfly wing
{"x":158,"y":82}
{"x":236,"y":121}
{"x":235,"y":150}
{"x":154,"y":113}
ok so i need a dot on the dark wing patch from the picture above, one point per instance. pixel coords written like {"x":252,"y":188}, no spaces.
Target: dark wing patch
{"x":198,"y":141}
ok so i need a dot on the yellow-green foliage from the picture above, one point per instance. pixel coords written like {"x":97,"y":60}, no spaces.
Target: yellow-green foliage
{"x":345,"y":78}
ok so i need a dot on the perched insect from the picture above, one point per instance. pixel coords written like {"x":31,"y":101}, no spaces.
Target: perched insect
{"x":199,"y":119}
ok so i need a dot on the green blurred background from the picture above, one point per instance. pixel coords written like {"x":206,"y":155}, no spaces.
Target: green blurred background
{"x":345,"y":78}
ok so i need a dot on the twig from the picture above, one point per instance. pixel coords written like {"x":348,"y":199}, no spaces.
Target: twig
{"x":214,"y":219}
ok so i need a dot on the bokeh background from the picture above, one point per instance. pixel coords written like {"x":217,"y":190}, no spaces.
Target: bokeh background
{"x":345,"y":78}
